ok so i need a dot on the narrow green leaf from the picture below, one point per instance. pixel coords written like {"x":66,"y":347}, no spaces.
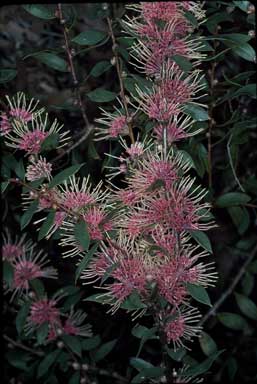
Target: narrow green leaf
{"x":178,"y":355}
{"x":38,"y":287}
{"x":91,"y":343}
{"x":85,"y":261}
{"x":207,"y":344}
{"x":182,"y":62}
{"x":73,"y":344}
{"x":75,"y":378}
{"x":81,"y":234}
{"x":7,"y":75}
{"x":22,"y":317}
{"x":196,"y":112}
{"x":109,"y":271}
{"x":90,"y":37}
{"x":50,"y":142}
{"x":4,"y":185}
{"x":51,"y":60}
{"x":202,"y":239}
{"x":47,"y":224}
{"x":46,"y":363}
{"x":42,"y":333}
{"x":203,"y":367}
{"x":100,"y":68}
{"x":40,"y":11}
{"x":199,"y":293}
{"x":232,"y":198}
{"x":100,"y":95}
{"x":8,"y":273}
{"x":245,"y":51}
{"x":140,"y":364}
{"x":103,"y":350}
{"x":232,"y":320}
{"x":153,"y":372}
{"x":64,"y":175}
{"x":247,"y":306}
{"x":27,"y":216}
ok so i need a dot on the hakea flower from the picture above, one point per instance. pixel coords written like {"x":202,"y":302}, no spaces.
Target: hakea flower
{"x":29,"y":136}
{"x":77,"y":197}
{"x":59,"y":218}
{"x":20,"y":110}
{"x":30,"y":266}
{"x":183,"y":326}
{"x":43,"y":311}
{"x":116,"y":124}
{"x":12,"y":250}
{"x":73,"y":324}
{"x":5,"y":125}
{"x":181,"y":376}
{"x":98,"y":222}
{"x":38,"y":169}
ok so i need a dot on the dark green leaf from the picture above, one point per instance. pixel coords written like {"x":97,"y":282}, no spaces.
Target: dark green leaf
{"x":133,"y":302}
{"x":103,"y":350}
{"x":199,"y":293}
{"x":240,"y":218}
{"x":202,"y":239}
{"x":144,"y":334}
{"x":232,"y":368}
{"x":7,"y":75}
{"x":140,"y":364}
{"x":38,"y":287}
{"x":46,"y":363}
{"x":100,"y":95}
{"x":22,"y":317}
{"x":64,"y":175}
{"x":42,"y":333}
{"x":49,"y":221}
{"x":91,"y":343}
{"x":201,"y":368}
{"x":90,"y":37}
{"x":248,"y":283}
{"x":40,"y":11}
{"x":4,"y":185}
{"x":207,"y":344}
{"x":182,"y":62}
{"x":100,"y":68}
{"x":28,"y":214}
{"x":50,"y":142}
{"x":81,"y":234}
{"x":196,"y":112}
{"x":243,"y":5}
{"x":247,"y":306}
{"x":8,"y":273}
{"x":178,"y":355}
{"x":51,"y":60}
{"x":109,"y":271}
{"x":232,"y":198}
{"x":153,"y":372}
{"x":75,"y":378}
{"x":73,"y":344}
{"x":19,"y":170}
{"x":245,"y":51}
{"x":85,"y":261}
{"x":232,"y":320}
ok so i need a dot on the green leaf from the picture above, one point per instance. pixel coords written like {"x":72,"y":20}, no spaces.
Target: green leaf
{"x":232,"y":320}
{"x":90,"y":37}
{"x":202,"y":239}
{"x":64,"y":175}
{"x":50,"y":142}
{"x":21,"y":317}
{"x":81,"y":234}
{"x":144,"y":334}
{"x":7,"y":75}
{"x":73,"y":344}
{"x":40,"y":11}
{"x":18,"y":359}
{"x":46,"y":363}
{"x":42,"y":333}
{"x":109,"y":271}
{"x":196,"y":112}
{"x":8,"y":273}
{"x":100,"y":95}
{"x":207,"y":344}
{"x":199,"y":293}
{"x":47,"y":224}
{"x":238,"y":38}
{"x":178,"y":355}
{"x":240,"y":218}
{"x":247,"y":306}
{"x":133,"y":302}
{"x":232,"y":368}
{"x":19,"y":170}
{"x":201,"y":368}
{"x":27,"y":216}
{"x":245,"y":51}
{"x":100,"y":68}
{"x":140,"y":364}
{"x":38,"y":287}
{"x":4,"y":185}
{"x":187,"y":158}
{"x":51,"y":60}
{"x":243,"y":5}
{"x":153,"y":372}
{"x":91,"y":343}
{"x":232,"y":198}
{"x":95,"y":298}
{"x":248,"y":283}
{"x":182,"y":62}
{"x":75,"y":378}
{"x":103,"y":350}
{"x":85,"y":261}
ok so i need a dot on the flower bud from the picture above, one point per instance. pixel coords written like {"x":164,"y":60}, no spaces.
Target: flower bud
{"x":75,"y":366}
{"x":85,"y":367}
{"x":60,"y":344}
{"x":251,"y":33}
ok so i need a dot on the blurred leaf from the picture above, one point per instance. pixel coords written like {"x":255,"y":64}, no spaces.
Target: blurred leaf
{"x":207,"y":344}
{"x":40,"y":11}
{"x":232,"y":198}
{"x":48,"y":222}
{"x":144,"y":334}
{"x":202,"y":239}
{"x":139,"y":364}
{"x":240,"y":218}
{"x":64,"y":175}
{"x":81,"y":234}
{"x":84,"y":262}
{"x":73,"y":343}
{"x":232,"y":368}
{"x":247,"y":283}
{"x":103,"y":350}
{"x":21,"y":317}
{"x":243,"y":5}
{"x":100,"y":95}
{"x":38,"y":287}
{"x":201,"y":368}
{"x":42,"y":333}
{"x":8,"y":273}
{"x":75,"y":378}
{"x":232,"y":320}
{"x":199,"y":293}
{"x":247,"y":306}
{"x":51,"y":60}
{"x":90,"y":37}
{"x":20,"y":170}
{"x":176,"y":355}
{"x":7,"y":75}
{"x":91,"y":343}
{"x":28,"y":214}
{"x":196,"y":112}
{"x":153,"y":372}
{"x":46,"y":363}
{"x":100,"y":67}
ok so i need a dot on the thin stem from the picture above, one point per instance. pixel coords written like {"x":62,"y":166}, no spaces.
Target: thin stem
{"x":71,"y":65}
{"x":22,"y":346}
{"x":119,"y":73}
{"x":232,"y":166}
{"x":231,"y":287}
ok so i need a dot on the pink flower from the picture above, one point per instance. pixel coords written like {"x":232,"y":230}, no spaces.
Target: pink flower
{"x":31,"y":141}
{"x":98,"y":223}
{"x":174,"y":132}
{"x":39,"y":168}
{"x":77,"y":199}
{"x":117,"y":126}
{"x":165,"y":11}
{"x":21,"y":114}
{"x":73,"y":325}
{"x":44,"y":311}
{"x":10,"y":252}
{"x":5,"y":125}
